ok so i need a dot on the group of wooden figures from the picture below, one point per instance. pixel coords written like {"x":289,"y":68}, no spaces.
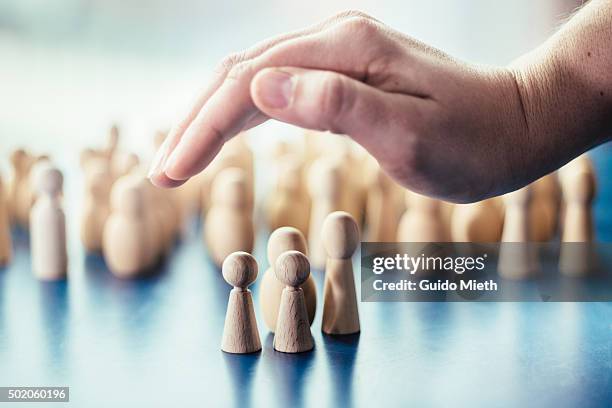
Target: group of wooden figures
{"x":33,"y":199}
{"x":134,"y":225}
{"x":288,"y":294}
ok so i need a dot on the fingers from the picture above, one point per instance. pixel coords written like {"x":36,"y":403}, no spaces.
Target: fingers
{"x":156,"y":173}
{"x":329,"y":101}
{"x":231,"y":107}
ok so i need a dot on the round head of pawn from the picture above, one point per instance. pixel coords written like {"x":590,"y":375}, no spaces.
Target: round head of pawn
{"x":127,"y":196}
{"x":285,"y":239}
{"x":239,"y":269}
{"x":292,"y":268}
{"x":48,"y":179}
{"x":230,"y":188}
{"x":340,"y":235}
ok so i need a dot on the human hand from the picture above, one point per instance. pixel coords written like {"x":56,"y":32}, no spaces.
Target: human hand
{"x":436,"y":125}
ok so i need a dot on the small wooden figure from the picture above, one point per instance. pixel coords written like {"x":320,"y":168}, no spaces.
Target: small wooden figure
{"x":382,"y":206}
{"x":544,"y":209}
{"x":579,"y":187}
{"x":281,"y":240}
{"x":422,"y":221}
{"x":288,"y":204}
{"x":48,"y":226}
{"x":517,"y":256}
{"x":477,"y":222}
{"x":126,"y":240}
{"x":240,"y":334}
{"x":292,"y":328}
{"x":96,"y":205}
{"x":340,"y":236}
{"x":229,"y":224}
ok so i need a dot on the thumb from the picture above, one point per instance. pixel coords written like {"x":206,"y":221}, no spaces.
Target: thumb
{"x":322,"y":100}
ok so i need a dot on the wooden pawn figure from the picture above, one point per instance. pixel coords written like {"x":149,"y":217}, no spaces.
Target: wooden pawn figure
{"x":6,"y":245}
{"x":324,"y":186}
{"x":229,"y":224}
{"x":282,"y":240}
{"x":292,"y":329}
{"x":544,"y":209}
{"x":517,"y":257}
{"x":479,"y":222}
{"x":234,"y":153}
{"x":48,"y":226}
{"x":240,"y":334}
{"x":353,"y":197}
{"x":340,"y":236}
{"x":17,"y":181}
{"x":288,"y":204}
{"x":126,"y":240}
{"x":579,"y":187}
{"x":422,"y":221}
{"x":159,"y":223}
{"x":382,"y":213}
{"x":24,"y":193}
{"x":96,"y":208}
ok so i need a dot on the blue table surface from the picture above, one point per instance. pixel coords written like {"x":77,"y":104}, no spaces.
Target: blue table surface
{"x":156,"y":342}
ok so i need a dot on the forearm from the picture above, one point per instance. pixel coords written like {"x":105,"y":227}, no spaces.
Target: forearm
{"x":565,"y":86}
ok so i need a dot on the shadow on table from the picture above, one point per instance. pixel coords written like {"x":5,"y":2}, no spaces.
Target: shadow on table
{"x":55,"y":314}
{"x":241,"y":368}
{"x":290,"y":373}
{"x":341,"y":353}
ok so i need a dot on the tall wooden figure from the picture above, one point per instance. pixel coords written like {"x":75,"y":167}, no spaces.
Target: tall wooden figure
{"x":325,"y":188}
{"x":48,"y":226}
{"x":579,"y":187}
{"x":240,"y":334}
{"x":340,"y":236}
{"x":292,"y":327}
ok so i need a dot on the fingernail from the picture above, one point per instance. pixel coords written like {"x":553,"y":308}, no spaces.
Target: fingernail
{"x":160,"y":158}
{"x":171,"y":161}
{"x":276,"y":88}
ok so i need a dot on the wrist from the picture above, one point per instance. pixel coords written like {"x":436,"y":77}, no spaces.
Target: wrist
{"x":565,"y":107}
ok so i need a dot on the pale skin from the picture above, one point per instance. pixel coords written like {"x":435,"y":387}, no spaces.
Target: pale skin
{"x":438,"y":126}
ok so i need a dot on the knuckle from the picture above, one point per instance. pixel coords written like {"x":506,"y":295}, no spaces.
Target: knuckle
{"x":361,"y":26}
{"x":229,"y":62}
{"x":237,"y":71}
{"x":333,"y":98}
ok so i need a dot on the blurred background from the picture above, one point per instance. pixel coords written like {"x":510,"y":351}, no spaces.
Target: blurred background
{"x":70,"y":68}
